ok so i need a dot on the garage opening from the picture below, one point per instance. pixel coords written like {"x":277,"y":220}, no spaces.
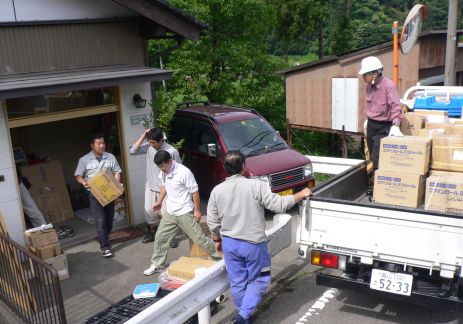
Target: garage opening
{"x":49,"y":134}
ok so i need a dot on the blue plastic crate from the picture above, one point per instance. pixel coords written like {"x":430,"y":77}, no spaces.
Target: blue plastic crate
{"x":453,"y":107}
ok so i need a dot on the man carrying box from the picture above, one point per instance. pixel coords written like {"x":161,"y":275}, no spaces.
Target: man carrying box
{"x":89,"y":165}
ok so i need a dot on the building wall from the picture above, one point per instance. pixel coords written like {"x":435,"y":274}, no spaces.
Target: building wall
{"x":10,"y":204}
{"x":66,"y":46}
{"x":136,"y":164}
{"x":32,"y":10}
{"x":308,"y":92}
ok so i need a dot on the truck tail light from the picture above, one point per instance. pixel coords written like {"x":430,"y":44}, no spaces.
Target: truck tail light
{"x":315,"y":257}
{"x":328,"y":260}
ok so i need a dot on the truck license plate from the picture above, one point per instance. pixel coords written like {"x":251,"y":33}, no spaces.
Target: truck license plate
{"x":396,"y":283}
{"x":286,"y":192}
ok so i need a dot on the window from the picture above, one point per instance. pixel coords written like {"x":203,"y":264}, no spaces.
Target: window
{"x":203,"y":134}
{"x":59,"y":102}
{"x":251,"y":137}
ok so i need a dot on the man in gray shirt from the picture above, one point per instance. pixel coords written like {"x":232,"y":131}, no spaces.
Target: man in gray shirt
{"x":89,"y":165}
{"x":236,"y":217}
{"x":151,"y":141}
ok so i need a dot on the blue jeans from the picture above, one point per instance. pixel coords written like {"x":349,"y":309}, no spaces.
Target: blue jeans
{"x":104,"y":217}
{"x":248,"y":269}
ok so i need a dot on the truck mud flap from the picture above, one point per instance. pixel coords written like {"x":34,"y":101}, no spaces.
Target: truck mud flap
{"x":417,"y":298}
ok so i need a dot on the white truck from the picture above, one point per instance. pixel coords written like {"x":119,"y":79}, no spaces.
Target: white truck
{"x":409,"y":254}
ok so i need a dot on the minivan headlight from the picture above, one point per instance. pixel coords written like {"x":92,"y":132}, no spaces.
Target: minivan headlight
{"x":308,"y":171}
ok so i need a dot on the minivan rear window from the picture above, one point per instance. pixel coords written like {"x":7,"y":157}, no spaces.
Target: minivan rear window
{"x":251,"y":136}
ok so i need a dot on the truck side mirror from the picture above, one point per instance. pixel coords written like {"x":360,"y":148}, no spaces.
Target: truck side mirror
{"x":211,"y":150}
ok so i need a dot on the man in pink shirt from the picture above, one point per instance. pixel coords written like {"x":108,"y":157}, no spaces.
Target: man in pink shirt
{"x":382,"y":109}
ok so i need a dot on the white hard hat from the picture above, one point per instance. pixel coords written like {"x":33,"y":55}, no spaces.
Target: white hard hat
{"x":370,"y":63}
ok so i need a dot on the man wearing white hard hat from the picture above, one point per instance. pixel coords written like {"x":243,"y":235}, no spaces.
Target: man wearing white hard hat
{"x":382,"y":106}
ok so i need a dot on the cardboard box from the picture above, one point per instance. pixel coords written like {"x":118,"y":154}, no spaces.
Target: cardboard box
{"x":184,"y":268}
{"x":433,"y":116}
{"x":60,"y":263}
{"x":43,"y":173}
{"x":448,"y":173}
{"x":105,"y":187}
{"x":456,"y":121}
{"x":399,"y":189}
{"x":447,"y":153}
{"x":41,"y":238}
{"x":411,"y":124}
{"x":444,"y":193}
{"x":47,"y":252}
{"x":454,"y":129}
{"x":405,"y":154}
{"x":430,"y":133}
{"x":49,"y":190}
{"x":195,"y":249}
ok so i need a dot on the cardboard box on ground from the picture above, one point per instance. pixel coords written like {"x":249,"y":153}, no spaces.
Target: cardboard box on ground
{"x":184,"y":267}
{"x":105,"y":187}
{"x":45,"y":245}
{"x":49,"y":190}
{"x":195,"y":249}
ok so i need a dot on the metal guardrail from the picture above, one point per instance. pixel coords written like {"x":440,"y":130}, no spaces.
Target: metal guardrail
{"x":330,"y":165}
{"x":189,"y":299}
{"x":29,"y":287}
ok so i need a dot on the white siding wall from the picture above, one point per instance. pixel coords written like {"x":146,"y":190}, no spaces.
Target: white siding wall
{"x":136,"y":164}
{"x":10,"y":204}
{"x":345,"y":104}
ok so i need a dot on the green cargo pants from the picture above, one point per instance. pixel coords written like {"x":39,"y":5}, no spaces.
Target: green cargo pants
{"x":168,"y":227}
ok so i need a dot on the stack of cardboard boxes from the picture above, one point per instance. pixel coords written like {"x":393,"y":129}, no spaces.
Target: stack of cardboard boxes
{"x":403,"y":168}
{"x":403,"y":164}
{"x":44,"y":243}
{"x":49,"y":190}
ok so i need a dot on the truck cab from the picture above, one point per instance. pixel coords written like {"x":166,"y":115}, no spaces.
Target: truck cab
{"x":210,"y":131}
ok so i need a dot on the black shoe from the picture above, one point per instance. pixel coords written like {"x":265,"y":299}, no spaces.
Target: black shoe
{"x":107,"y":253}
{"x":240,"y":320}
{"x":173,"y":244}
{"x":149,"y":237}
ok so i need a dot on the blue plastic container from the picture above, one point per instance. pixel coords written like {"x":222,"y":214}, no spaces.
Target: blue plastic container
{"x":429,"y":102}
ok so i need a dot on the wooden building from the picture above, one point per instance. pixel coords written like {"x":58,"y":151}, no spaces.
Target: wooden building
{"x":328,"y":95}
{"x":70,"y":68}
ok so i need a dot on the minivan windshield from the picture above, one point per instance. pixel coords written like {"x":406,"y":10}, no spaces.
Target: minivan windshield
{"x":251,"y":136}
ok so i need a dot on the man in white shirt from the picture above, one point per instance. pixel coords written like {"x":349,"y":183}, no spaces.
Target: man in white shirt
{"x":182,"y":210}
{"x":150,"y":142}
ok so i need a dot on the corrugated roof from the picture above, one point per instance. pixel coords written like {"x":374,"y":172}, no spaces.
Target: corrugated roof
{"x":362,"y":52}
{"x":29,"y":84}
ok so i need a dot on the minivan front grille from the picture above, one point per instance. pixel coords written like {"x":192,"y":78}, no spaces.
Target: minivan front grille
{"x":286,"y":177}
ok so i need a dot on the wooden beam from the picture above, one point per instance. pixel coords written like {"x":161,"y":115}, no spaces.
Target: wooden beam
{"x":324,"y":130}
{"x":64,"y":115}
{"x":167,"y":18}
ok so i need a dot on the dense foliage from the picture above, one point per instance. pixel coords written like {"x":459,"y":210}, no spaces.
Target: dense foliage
{"x":247,"y":42}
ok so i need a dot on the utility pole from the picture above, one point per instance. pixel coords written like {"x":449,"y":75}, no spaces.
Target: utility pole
{"x":449,"y":76}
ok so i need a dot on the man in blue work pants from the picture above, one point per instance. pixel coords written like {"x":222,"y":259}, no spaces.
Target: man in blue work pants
{"x":236,"y":217}
{"x":248,"y":267}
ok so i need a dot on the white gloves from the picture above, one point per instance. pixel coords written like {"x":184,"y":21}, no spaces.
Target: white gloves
{"x":365,"y":124}
{"x":395,"y":131}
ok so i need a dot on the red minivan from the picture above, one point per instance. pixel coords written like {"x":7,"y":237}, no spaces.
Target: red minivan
{"x":211,"y":130}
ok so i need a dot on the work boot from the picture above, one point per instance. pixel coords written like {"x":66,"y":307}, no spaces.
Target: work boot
{"x":174,"y":243}
{"x":149,"y":237}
